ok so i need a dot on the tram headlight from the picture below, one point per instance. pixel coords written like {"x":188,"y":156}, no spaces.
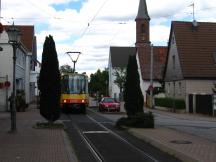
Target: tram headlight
{"x":83,"y":101}
{"x":64,"y":101}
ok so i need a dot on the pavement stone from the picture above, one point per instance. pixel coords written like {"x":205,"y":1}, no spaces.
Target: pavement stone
{"x":196,"y":149}
{"x":30,"y":144}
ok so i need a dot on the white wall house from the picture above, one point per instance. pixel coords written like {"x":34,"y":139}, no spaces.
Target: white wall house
{"x":34,"y":74}
{"x":118,"y":58}
{"x":191,"y":60}
{"x":23,"y":66}
{"x":6,"y":67}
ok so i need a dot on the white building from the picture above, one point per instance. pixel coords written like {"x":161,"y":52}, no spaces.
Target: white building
{"x":118,"y":58}
{"x":25,"y":54}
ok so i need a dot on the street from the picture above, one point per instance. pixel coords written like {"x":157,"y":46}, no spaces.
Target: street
{"x":204,"y":127}
{"x":198,"y":126}
{"x":95,"y":138}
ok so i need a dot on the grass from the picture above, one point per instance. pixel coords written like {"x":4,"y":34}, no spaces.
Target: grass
{"x":46,"y":125}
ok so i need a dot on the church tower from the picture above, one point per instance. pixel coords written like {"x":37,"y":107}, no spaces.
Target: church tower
{"x":142,"y":25}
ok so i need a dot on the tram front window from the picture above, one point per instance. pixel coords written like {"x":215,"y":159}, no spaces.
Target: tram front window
{"x":74,"y":85}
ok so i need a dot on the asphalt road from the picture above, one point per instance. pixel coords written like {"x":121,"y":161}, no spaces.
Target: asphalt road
{"x":95,"y":138}
{"x":203,"y":127}
{"x":197,"y":126}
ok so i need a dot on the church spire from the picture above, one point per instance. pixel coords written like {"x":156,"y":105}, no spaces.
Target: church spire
{"x":142,"y":25}
{"x":142,"y":11}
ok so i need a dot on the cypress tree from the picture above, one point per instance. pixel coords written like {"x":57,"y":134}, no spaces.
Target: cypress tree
{"x":49,"y":82}
{"x":133,"y":95}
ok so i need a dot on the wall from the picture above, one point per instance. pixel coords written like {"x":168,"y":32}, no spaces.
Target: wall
{"x":6,"y":64}
{"x":114,"y":88}
{"x":180,"y":89}
{"x":6,"y":67}
{"x":173,"y":69}
{"x":144,"y":84}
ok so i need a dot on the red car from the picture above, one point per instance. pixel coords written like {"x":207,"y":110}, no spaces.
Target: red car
{"x":109,"y":104}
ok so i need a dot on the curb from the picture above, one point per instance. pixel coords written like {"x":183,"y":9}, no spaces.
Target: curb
{"x":70,"y":150}
{"x":162,"y":147}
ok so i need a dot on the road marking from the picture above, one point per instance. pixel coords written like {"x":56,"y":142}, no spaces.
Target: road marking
{"x":95,"y":132}
{"x":92,"y":149}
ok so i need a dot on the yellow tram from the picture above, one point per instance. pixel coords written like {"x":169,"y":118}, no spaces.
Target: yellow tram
{"x":74,"y":92}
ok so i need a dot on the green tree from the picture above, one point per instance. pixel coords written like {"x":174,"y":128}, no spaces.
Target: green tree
{"x":120,"y":74}
{"x":66,"y":69}
{"x":99,"y":82}
{"x":133,"y":95}
{"x":49,"y":82}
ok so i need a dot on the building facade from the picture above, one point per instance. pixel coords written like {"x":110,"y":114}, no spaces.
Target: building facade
{"x":24,"y":61}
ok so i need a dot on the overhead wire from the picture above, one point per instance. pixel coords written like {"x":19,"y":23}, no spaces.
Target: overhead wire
{"x":98,"y":11}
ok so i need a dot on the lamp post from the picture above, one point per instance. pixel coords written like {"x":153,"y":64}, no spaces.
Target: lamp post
{"x":14,"y":36}
{"x":73,"y":60}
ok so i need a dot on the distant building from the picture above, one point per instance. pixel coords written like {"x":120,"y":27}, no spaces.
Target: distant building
{"x":26,"y":56}
{"x":118,"y":56}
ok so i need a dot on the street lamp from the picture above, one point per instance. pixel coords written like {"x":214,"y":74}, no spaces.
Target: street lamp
{"x":14,"y":36}
{"x":73,"y":60}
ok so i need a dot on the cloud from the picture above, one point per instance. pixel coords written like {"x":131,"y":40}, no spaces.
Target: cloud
{"x":99,"y":24}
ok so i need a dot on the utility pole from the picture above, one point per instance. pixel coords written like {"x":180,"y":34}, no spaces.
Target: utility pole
{"x":151,"y":78}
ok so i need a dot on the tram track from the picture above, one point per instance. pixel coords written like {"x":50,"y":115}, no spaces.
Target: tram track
{"x":124,"y":140}
{"x":99,"y":157}
{"x":96,"y":139}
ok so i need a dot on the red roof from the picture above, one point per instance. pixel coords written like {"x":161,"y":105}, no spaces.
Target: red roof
{"x":27,"y":38}
{"x":195,"y":46}
{"x":159,"y":55}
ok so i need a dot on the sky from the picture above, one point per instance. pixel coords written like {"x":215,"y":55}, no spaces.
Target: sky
{"x":92,"y":26}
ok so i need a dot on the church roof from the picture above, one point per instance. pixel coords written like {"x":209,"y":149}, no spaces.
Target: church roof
{"x":119,"y":55}
{"x":159,"y":60}
{"x":142,"y":11}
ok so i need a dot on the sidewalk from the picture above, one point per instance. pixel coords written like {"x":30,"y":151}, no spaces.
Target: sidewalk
{"x":185,"y":115}
{"x":186,"y":147}
{"x":30,"y":144}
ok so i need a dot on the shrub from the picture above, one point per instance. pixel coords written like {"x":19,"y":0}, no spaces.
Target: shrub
{"x":49,"y":82}
{"x":168,"y":102}
{"x":133,"y":95}
{"x":140,"y":120}
{"x":20,"y":101}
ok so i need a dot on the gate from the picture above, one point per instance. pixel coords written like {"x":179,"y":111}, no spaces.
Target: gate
{"x":190,"y":103}
{"x":204,"y":104}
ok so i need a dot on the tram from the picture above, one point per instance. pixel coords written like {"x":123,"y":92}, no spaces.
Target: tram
{"x":74,"y":92}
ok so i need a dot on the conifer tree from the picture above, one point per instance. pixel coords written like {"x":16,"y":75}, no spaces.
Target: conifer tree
{"x":49,"y":82}
{"x":133,"y":95}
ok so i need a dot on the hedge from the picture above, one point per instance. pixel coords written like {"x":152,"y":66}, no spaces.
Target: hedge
{"x":168,"y":102}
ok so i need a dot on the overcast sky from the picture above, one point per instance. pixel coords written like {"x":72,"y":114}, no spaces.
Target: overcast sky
{"x":92,"y":26}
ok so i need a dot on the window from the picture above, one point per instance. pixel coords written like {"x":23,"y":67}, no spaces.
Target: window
{"x":179,"y":88}
{"x":143,"y":28}
{"x":173,"y":40}
{"x":173,"y":61}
